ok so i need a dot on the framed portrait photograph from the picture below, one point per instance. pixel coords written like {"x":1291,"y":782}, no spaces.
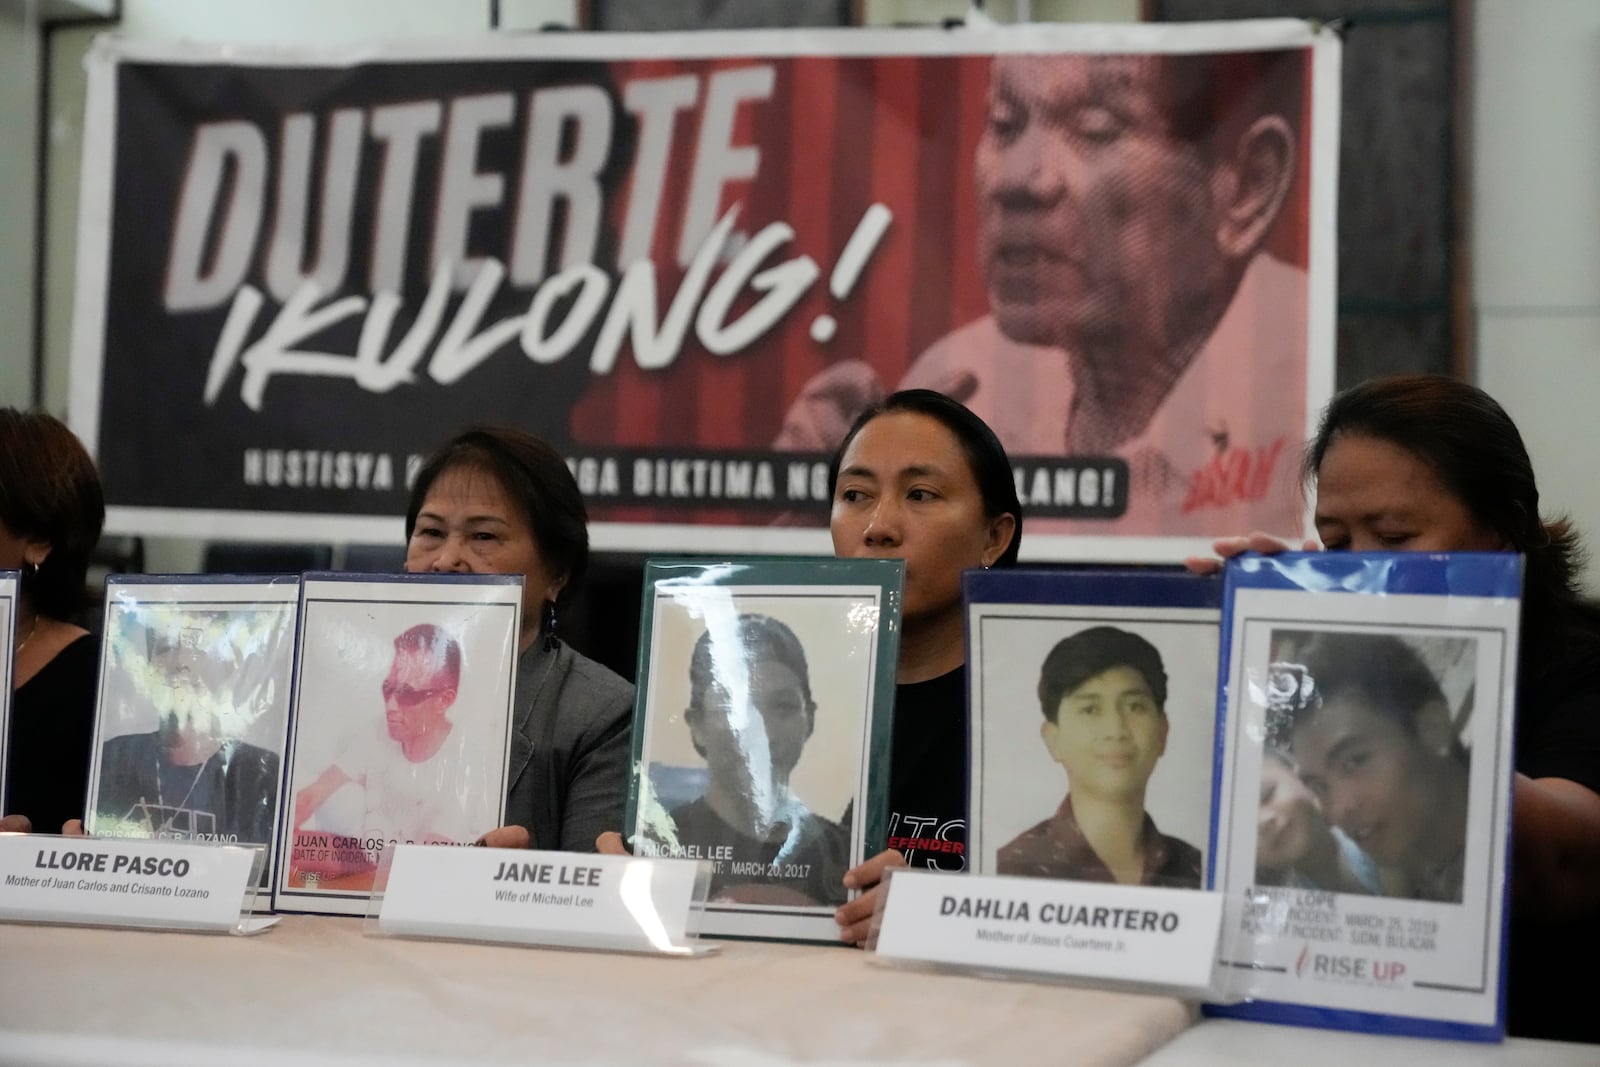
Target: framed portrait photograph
{"x":1093,"y":711}
{"x":402,"y":720}
{"x":1365,"y":786}
{"x":10,"y":583}
{"x":193,"y":709}
{"x":761,"y":732}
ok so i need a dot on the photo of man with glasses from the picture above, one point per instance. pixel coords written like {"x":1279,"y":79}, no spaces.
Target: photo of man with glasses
{"x":400,"y":780}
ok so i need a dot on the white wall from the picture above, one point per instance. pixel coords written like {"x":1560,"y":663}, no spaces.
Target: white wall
{"x":329,"y":21}
{"x":1536,"y":238}
{"x":891,"y":12}
{"x":19,"y":90}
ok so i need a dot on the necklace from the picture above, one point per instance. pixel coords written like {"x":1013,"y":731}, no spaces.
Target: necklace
{"x":32,"y":626}
{"x":170,"y":814}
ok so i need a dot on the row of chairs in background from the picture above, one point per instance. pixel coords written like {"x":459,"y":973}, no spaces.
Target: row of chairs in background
{"x":125,"y":555}
{"x":249,"y":557}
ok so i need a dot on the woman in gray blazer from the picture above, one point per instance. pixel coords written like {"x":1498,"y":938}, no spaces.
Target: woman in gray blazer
{"x":499,"y":501}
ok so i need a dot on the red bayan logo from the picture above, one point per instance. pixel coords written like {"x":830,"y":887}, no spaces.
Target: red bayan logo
{"x":1233,"y":476}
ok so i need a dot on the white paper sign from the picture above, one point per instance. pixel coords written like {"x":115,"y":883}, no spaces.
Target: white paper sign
{"x":1158,"y":937}
{"x":95,"y":881}
{"x":541,"y":898}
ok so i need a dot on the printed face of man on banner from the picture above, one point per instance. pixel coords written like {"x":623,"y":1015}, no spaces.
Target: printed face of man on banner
{"x":1109,"y":230}
{"x":1127,"y":217}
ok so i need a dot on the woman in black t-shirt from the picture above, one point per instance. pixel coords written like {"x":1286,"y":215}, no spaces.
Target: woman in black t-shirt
{"x":921,"y":478}
{"x":51,"y":511}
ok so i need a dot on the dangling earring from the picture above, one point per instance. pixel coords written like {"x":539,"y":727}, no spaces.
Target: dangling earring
{"x":551,"y":641}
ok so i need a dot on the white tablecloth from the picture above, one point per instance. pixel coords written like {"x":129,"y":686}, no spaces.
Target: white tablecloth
{"x":1232,"y":1043}
{"x":316,"y":990}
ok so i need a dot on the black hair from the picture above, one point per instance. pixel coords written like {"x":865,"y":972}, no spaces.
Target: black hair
{"x":1379,"y":667}
{"x":991,"y":468}
{"x":50,"y":491}
{"x":1076,"y":659}
{"x":1474,"y":449}
{"x":1210,"y":99}
{"x":537,"y":480}
{"x":759,"y":638}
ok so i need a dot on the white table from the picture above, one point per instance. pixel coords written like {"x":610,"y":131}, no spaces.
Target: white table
{"x":1232,"y":1043}
{"x":317,"y":991}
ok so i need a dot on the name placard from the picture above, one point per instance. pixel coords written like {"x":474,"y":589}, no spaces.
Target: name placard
{"x":97,"y":881}
{"x":560,"y":899}
{"x":1163,"y":938}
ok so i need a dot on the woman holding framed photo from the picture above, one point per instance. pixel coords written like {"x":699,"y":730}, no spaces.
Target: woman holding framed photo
{"x":919,"y":477}
{"x":493,"y":500}
{"x":1427,"y":463}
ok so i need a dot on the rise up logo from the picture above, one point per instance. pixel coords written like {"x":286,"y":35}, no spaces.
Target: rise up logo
{"x":1355,"y":970}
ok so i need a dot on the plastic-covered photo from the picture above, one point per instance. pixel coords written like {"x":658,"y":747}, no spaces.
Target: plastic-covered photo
{"x":1363,"y":818}
{"x":1093,"y":712}
{"x":1365,"y":762}
{"x":9,"y":585}
{"x":195,"y":679}
{"x":401,"y":727}
{"x":755,"y":733}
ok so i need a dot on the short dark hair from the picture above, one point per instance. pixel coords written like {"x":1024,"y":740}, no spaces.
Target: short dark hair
{"x":1210,"y":99}
{"x":535,"y":477}
{"x":760,"y":638}
{"x":1474,"y":449}
{"x":991,"y":468}
{"x":1076,"y":659}
{"x":1380,"y":667}
{"x":50,"y":491}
